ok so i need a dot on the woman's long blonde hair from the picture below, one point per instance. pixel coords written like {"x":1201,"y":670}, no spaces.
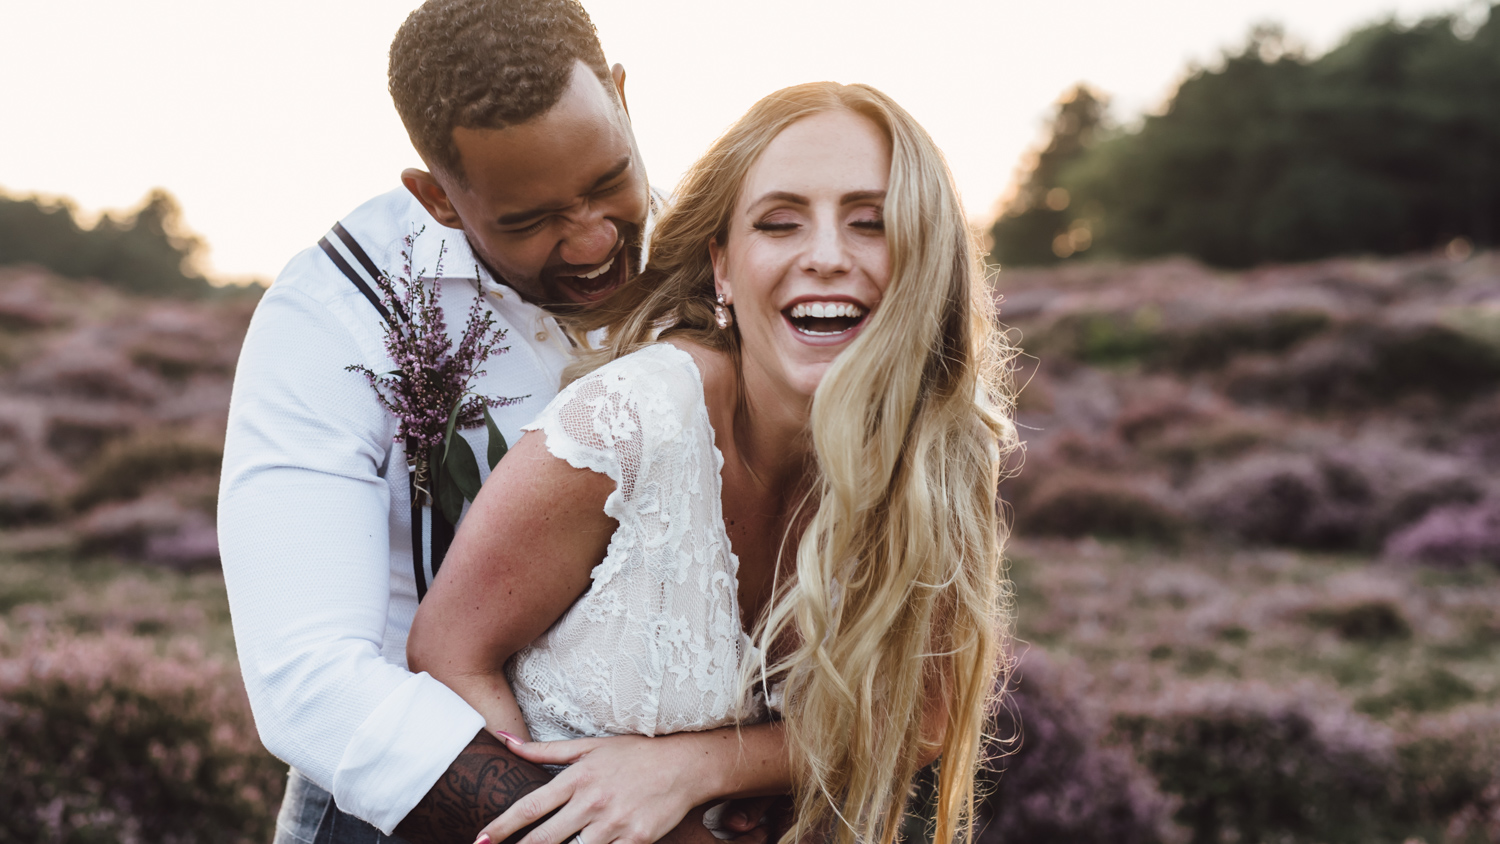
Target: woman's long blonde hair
{"x":899,"y":582}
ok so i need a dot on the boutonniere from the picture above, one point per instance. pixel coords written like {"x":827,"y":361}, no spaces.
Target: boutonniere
{"x":429,"y":390}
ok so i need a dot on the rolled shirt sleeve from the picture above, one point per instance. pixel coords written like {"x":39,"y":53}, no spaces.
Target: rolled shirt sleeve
{"x":312,"y":500}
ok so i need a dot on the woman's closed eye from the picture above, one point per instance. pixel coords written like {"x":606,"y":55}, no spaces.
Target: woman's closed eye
{"x":774,"y":226}
{"x":869,"y":218}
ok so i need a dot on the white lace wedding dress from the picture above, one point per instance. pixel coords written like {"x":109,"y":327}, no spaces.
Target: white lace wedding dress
{"x":656,"y":643}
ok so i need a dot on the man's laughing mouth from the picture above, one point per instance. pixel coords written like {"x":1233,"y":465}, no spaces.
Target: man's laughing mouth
{"x":596,"y":282}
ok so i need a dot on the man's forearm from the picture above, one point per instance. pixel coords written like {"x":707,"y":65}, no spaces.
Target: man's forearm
{"x":486,"y":779}
{"x":482,"y":782}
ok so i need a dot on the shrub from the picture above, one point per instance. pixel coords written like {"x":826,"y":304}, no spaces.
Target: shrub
{"x":77,"y":435}
{"x":1184,"y":451}
{"x":1285,"y":500}
{"x":154,"y":528}
{"x":1447,"y":354}
{"x":1479,"y":428}
{"x":1252,"y":765}
{"x":1433,"y":691}
{"x":105,"y":740}
{"x":127,"y":468}
{"x":1457,"y":535}
{"x":1074,"y":503}
{"x":1424,"y":487}
{"x":1058,"y":783}
{"x":1450,"y":776}
{"x":1372,"y":620}
{"x":1372,"y":363}
{"x":1327,"y":371}
{"x":1214,"y":342}
{"x":23,"y":504}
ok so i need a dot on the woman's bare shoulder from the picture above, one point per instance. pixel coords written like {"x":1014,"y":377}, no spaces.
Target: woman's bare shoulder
{"x":716,"y":368}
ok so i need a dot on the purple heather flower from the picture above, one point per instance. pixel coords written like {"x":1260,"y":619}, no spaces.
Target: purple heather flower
{"x":431,"y":377}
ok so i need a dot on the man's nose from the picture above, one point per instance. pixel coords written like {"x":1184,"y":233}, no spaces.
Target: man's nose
{"x":590,"y":239}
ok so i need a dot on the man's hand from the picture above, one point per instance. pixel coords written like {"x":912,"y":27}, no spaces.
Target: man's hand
{"x":692,"y":831}
{"x":484,"y":781}
{"x":765,"y":817}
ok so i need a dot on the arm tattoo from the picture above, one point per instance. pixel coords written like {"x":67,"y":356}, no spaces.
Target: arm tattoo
{"x":484,"y":781}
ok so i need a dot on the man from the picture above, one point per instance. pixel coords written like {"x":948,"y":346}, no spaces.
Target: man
{"x":535,"y":194}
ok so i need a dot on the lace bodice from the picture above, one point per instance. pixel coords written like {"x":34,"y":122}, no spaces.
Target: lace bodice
{"x":655,"y":644}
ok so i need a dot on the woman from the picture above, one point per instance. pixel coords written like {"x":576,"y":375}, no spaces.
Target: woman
{"x":808,"y":451}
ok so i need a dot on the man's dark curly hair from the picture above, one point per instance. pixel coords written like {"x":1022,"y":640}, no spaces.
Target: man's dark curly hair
{"x":485,"y":64}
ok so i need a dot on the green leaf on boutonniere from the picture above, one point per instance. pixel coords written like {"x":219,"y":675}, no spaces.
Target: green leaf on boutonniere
{"x":449,"y":497}
{"x":497,"y":447}
{"x":452,"y":424}
{"x":462,"y":466}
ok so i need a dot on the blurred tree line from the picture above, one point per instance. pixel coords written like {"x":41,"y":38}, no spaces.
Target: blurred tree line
{"x":1389,"y":143}
{"x":147,"y":251}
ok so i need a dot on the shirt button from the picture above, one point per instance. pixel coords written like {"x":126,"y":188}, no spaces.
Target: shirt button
{"x":542,"y":336}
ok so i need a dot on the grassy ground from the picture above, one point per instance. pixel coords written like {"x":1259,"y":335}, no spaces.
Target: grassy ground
{"x":1270,"y":695}
{"x":1137,"y":637}
{"x":62,"y":596}
{"x":1394,"y":640}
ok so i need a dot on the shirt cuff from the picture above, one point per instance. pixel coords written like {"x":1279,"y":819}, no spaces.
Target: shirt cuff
{"x":401,"y":749}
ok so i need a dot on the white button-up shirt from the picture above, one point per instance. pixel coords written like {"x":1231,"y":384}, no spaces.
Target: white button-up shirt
{"x":315,"y":515}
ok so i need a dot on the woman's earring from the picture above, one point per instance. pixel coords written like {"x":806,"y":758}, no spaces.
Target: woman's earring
{"x":722,"y":315}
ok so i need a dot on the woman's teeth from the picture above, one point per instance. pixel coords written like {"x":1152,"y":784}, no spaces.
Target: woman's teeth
{"x":824,"y":319}
{"x":823,"y":310}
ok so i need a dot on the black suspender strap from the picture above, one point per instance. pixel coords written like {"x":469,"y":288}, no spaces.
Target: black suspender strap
{"x":356,"y":250}
{"x":348,"y":271}
{"x":442,"y":531}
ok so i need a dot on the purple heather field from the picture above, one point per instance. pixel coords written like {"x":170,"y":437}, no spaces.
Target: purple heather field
{"x":1256,"y":559}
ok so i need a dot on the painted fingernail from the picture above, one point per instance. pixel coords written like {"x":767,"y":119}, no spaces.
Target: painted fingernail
{"x":484,"y":838}
{"x":510,"y":738}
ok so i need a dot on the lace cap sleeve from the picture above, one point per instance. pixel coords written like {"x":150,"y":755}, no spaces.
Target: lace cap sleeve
{"x":616,"y":419}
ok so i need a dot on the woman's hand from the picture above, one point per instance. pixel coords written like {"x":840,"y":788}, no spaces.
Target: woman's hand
{"x":619,"y":790}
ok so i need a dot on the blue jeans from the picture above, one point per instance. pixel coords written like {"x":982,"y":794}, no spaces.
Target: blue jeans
{"x":309,"y":816}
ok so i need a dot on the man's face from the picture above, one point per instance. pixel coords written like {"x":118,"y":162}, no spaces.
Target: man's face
{"x":555,"y":206}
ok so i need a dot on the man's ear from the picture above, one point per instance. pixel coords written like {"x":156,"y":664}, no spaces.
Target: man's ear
{"x":618,"y":72}
{"x":433,"y":196}
{"x":720,"y":259}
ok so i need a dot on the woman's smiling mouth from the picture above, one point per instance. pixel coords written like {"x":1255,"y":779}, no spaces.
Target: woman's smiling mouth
{"x":825,"y":319}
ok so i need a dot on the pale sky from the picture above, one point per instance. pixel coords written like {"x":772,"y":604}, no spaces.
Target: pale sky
{"x":269,"y":120}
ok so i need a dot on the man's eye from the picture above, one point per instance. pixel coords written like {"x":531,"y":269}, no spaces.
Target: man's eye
{"x":531,"y":229}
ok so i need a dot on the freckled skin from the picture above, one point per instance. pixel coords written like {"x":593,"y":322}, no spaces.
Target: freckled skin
{"x":808,"y":225}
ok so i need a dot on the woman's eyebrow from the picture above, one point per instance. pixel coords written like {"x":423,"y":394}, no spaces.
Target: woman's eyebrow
{"x":782,"y":196}
{"x":799,"y":199}
{"x":861,"y":196}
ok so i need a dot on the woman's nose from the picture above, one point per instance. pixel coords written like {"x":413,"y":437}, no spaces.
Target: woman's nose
{"x":828,"y":252}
